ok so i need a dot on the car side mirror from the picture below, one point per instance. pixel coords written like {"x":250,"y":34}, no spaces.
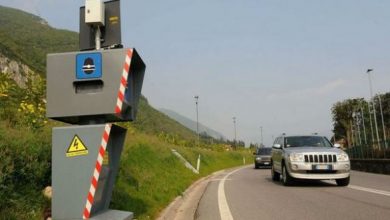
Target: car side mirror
{"x":337,"y":145}
{"x":254,"y":153}
{"x":277,"y":146}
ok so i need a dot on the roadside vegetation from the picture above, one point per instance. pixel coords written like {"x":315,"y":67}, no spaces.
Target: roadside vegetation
{"x":354,"y":126}
{"x":150,"y":176}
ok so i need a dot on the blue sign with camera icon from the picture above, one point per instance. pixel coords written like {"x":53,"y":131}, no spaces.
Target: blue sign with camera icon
{"x":89,"y":66}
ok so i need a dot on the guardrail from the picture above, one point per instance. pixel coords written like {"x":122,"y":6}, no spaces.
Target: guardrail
{"x":381,"y":166}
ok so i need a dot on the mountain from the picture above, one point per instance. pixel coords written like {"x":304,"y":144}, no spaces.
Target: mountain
{"x":192,"y":124}
{"x":26,"y":39}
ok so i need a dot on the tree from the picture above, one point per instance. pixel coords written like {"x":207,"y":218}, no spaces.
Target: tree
{"x":343,"y":120}
{"x":344,"y":124}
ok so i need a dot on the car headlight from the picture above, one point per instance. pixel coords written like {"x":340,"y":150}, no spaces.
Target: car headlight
{"x":343,"y":157}
{"x":295,"y":157}
{"x":258,"y":158}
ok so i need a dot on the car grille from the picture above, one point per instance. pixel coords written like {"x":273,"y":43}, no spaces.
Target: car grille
{"x":320,"y":158}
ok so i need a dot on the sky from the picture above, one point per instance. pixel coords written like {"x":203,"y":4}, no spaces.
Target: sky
{"x":275,"y":64}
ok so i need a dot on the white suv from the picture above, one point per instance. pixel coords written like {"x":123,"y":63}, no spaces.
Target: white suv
{"x":308,"y":157}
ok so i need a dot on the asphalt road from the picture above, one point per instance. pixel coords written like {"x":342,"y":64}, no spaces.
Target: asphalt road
{"x":248,"y":193}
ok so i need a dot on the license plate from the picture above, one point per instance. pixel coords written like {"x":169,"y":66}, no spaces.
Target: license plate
{"x":266,"y":163}
{"x":322,"y":167}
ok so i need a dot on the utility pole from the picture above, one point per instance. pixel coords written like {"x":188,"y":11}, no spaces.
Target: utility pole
{"x":261,"y":132}
{"x":197,"y":118}
{"x":383,"y":121}
{"x":373,"y":105}
{"x":235,"y":131}
{"x":351,"y":124}
{"x":372,"y":128}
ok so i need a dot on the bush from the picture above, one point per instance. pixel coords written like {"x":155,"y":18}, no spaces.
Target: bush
{"x":25,"y":170}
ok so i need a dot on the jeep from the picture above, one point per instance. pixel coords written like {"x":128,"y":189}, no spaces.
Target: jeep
{"x":308,"y":157}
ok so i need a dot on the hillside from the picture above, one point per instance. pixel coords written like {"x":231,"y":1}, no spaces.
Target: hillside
{"x":27,"y":38}
{"x":152,"y":121}
{"x":192,"y":124}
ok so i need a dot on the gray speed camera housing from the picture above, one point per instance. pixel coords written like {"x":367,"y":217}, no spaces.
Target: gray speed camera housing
{"x":86,"y":86}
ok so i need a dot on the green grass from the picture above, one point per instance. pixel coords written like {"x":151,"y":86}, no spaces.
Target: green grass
{"x":25,"y":169}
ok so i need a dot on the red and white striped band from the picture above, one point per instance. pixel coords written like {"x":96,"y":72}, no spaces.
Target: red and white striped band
{"x":123,"y":85}
{"x":96,"y":173}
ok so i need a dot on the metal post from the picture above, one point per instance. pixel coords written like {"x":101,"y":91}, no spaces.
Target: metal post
{"x":97,"y":38}
{"x":372,"y":129}
{"x":359,"y":138}
{"x":364,"y":129}
{"x":383,"y":121}
{"x":383,"y":126}
{"x":197,"y":118}
{"x":373,"y":106}
{"x":198,"y":164}
{"x":235,"y":131}
{"x":261,"y":132}
{"x":358,"y":127}
{"x":364,"y":126}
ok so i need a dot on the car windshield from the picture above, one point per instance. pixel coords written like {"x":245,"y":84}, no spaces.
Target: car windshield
{"x":264,"y":151}
{"x":307,"y":141}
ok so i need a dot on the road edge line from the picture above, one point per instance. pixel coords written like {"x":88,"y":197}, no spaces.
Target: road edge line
{"x":223,"y":205}
{"x":370,"y":190}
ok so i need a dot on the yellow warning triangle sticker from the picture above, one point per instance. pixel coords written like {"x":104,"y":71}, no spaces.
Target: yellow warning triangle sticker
{"x":76,"y":148}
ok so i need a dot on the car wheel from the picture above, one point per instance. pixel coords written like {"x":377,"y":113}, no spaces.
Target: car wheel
{"x":343,"y":182}
{"x":256,"y":166}
{"x":275,"y":175}
{"x":287,"y":180}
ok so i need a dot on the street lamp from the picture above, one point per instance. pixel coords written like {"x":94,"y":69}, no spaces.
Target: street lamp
{"x":373,"y":105}
{"x":197,"y":117}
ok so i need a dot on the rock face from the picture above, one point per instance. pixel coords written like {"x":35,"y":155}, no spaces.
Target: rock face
{"x":17,"y":70}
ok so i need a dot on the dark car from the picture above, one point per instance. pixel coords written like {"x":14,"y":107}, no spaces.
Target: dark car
{"x":262,"y":157}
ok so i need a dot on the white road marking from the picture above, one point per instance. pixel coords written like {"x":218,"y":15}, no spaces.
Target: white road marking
{"x":224,"y":210}
{"x":380,"y":192}
{"x":214,"y":180}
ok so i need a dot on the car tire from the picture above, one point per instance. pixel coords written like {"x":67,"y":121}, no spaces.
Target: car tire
{"x":256,"y":166}
{"x":343,"y":182}
{"x":287,"y":180}
{"x":275,"y":175}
